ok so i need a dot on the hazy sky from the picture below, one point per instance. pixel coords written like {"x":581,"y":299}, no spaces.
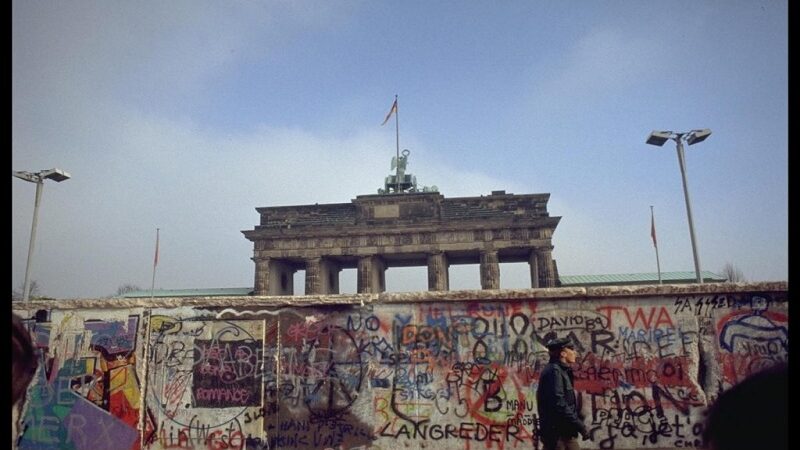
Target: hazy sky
{"x":187,"y":115}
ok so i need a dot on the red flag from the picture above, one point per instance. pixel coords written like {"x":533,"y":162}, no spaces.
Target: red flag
{"x":155,"y":260}
{"x":391,"y":111}
{"x":653,"y":228}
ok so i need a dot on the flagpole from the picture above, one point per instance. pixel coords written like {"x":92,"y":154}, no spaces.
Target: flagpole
{"x":155,"y":263}
{"x":653,"y":233}
{"x":397,"y":135}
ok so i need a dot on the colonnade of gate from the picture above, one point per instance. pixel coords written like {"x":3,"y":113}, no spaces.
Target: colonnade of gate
{"x":275,"y":276}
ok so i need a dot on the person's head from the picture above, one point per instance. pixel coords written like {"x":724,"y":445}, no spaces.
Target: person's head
{"x":23,"y":359}
{"x":751,"y":414}
{"x":563,"y":350}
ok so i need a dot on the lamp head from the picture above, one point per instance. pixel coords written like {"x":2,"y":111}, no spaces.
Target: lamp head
{"x":27,"y":176}
{"x":57,"y":175}
{"x":659,"y":137}
{"x":696,"y":136}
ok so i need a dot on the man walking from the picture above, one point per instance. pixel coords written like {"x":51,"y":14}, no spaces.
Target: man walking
{"x":559,"y":424}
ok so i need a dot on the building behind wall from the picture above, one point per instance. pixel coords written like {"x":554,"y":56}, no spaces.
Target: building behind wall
{"x":374,"y":233}
{"x":628,"y":279}
{"x":633,"y":279}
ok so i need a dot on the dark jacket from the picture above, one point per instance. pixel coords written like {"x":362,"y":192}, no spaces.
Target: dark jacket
{"x":556,"y":403}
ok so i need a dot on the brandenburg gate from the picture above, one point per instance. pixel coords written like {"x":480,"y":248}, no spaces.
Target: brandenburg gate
{"x":376,"y":232}
{"x":401,"y":227}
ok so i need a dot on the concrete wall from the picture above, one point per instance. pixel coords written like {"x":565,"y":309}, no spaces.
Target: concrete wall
{"x":433,"y":370}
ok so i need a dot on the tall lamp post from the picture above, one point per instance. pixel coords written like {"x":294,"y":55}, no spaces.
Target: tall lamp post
{"x":692,"y":137}
{"x":57,"y":175}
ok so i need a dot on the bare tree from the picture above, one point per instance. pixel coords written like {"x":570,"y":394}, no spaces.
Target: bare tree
{"x":127,"y":287}
{"x":35,"y":291}
{"x":732,"y":273}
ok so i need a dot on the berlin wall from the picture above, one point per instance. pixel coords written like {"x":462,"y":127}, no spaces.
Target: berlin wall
{"x":427,"y":370}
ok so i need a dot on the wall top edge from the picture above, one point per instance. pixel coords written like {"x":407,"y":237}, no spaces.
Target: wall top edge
{"x":407,"y":297}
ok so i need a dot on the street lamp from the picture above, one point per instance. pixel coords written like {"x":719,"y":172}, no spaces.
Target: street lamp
{"x":57,"y":175}
{"x":692,"y":137}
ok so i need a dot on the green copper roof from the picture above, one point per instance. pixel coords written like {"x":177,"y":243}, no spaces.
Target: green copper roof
{"x":638,"y":278}
{"x":211,"y":292}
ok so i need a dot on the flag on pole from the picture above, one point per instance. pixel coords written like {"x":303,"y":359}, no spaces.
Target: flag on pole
{"x":155,"y":263}
{"x":653,"y":228}
{"x":391,"y":111}
{"x":155,"y":260}
{"x":653,"y":235}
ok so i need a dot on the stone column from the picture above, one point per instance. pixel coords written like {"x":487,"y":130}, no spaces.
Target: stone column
{"x":438,"y":277}
{"x":313,"y":279}
{"x":490,"y":270}
{"x":329,"y":276}
{"x":380,"y":274}
{"x":261,"y":284}
{"x":547,"y":277}
{"x":533,"y":262}
{"x":364,"y":275}
{"x":281,"y":278}
{"x":371,"y":275}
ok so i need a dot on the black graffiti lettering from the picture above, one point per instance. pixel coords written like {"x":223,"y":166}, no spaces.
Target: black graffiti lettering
{"x":520,"y":347}
{"x":372,"y":323}
{"x":485,"y":325}
{"x":628,"y":430}
{"x":520,"y":406}
{"x":659,"y":393}
{"x":610,"y":441}
{"x":470,"y":431}
{"x":513,"y":322}
{"x":493,"y":402}
{"x":436,"y":433}
{"x":353,"y":324}
{"x":480,"y":352}
{"x":602,"y":338}
{"x":636,"y":398}
{"x":665,"y":342}
{"x":678,"y":427}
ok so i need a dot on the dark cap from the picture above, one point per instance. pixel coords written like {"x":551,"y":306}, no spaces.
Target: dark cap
{"x":558,"y":344}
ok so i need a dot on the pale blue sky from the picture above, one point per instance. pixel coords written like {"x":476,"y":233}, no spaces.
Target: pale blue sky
{"x":189,"y":115}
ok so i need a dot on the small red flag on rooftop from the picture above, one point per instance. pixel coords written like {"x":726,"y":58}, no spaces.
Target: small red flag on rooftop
{"x":655,"y":244}
{"x":653,"y":227}
{"x":155,"y":260}
{"x":155,"y":263}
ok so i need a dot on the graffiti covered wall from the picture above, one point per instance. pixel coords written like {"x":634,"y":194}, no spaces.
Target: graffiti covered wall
{"x":446,"y":370}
